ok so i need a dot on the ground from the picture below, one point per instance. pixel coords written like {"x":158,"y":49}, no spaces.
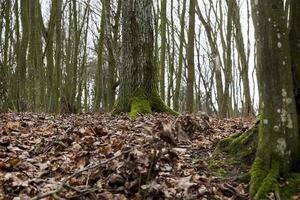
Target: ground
{"x":100,"y":156}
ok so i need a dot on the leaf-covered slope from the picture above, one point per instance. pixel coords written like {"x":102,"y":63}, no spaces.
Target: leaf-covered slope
{"x":99,"y":156}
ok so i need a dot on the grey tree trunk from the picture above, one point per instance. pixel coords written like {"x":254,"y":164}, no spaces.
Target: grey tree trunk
{"x":138,"y":87}
{"x":278,"y":144}
{"x":190,"y":58}
{"x":180,"y":61}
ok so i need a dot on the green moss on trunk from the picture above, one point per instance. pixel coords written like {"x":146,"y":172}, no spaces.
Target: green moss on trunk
{"x":158,"y":105}
{"x":264,"y":181}
{"x":139,"y":105}
{"x":142,"y":102}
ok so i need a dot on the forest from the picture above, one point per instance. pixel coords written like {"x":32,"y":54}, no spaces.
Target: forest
{"x":150,"y":99}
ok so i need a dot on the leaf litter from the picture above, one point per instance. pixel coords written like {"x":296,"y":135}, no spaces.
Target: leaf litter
{"x":100,"y":156}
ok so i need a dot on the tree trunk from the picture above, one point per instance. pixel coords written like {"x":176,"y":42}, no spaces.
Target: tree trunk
{"x":138,"y":88}
{"x":190,"y":58}
{"x":4,"y":67}
{"x":57,"y":73}
{"x":278,"y":145}
{"x":162,"y":61}
{"x":180,"y":62}
{"x":295,"y":49}
{"x":100,"y":50}
{"x":247,"y":107}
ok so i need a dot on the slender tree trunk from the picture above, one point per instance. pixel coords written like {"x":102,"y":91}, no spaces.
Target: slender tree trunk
{"x":244,"y":69}
{"x":100,"y":50}
{"x":163,"y":47}
{"x":36,"y":70}
{"x":50,"y":54}
{"x":190,"y":57}
{"x":83,"y":66}
{"x":171,"y":58}
{"x":180,"y":62}
{"x":226,"y":103}
{"x":112,"y":46}
{"x":4,"y":66}
{"x":57,"y":74}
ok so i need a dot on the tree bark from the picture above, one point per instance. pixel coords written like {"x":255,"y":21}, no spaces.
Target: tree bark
{"x":180,"y":61}
{"x":162,"y":61}
{"x":190,"y":58}
{"x":278,"y":145}
{"x":100,"y":50}
{"x":138,"y":88}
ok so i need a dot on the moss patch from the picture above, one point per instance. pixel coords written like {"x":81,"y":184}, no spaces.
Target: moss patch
{"x":139,"y":105}
{"x":264,"y":181}
{"x":235,"y":155}
{"x":142,"y":103}
{"x":291,"y":186}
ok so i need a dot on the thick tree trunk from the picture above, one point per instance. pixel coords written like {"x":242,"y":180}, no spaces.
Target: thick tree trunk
{"x":278,"y":144}
{"x":138,"y":86}
{"x":295,"y":49}
{"x":36,"y":70}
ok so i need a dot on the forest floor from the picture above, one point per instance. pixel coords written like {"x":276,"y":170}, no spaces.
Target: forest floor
{"x":99,"y":156}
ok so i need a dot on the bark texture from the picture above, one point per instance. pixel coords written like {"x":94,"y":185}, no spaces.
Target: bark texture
{"x":138,"y":80}
{"x":278,"y":144}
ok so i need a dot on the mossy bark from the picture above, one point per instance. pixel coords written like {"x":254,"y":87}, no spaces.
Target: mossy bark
{"x":278,"y":140}
{"x":233,"y":157}
{"x":142,"y":103}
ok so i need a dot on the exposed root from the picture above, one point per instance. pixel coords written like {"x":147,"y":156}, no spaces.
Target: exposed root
{"x":263,"y":181}
{"x":234,"y":156}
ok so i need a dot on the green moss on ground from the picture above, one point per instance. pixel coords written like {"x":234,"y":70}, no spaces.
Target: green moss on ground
{"x":241,"y":146}
{"x":290,"y":187}
{"x":235,"y":155}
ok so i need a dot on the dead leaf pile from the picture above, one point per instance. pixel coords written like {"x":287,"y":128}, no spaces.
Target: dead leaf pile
{"x":100,"y":156}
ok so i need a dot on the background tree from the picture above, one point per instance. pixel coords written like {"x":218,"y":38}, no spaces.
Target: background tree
{"x":163,"y":38}
{"x":180,"y":62}
{"x":190,"y":58}
{"x":99,"y":73}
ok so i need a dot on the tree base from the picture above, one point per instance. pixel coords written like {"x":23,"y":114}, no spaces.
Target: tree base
{"x":264,"y":181}
{"x":141,"y":103}
{"x":234,"y":157}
